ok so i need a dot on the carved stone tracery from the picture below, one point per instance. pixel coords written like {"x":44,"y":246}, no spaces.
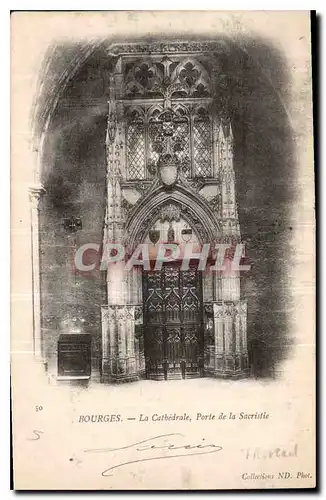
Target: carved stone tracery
{"x":166,"y":78}
{"x":167,"y":119}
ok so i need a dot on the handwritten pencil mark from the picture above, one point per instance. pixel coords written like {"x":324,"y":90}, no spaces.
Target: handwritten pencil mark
{"x":37,"y":435}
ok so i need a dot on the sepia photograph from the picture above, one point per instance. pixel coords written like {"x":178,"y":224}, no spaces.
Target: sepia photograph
{"x":163,"y":250}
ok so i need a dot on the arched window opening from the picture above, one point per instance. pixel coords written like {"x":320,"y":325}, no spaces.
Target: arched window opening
{"x":136,"y":151}
{"x":202,"y":137}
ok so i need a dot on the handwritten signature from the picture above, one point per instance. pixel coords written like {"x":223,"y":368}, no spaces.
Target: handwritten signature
{"x":160,"y":442}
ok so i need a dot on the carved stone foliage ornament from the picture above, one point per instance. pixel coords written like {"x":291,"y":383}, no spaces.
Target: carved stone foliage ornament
{"x":111,"y":123}
{"x":169,"y":141}
{"x":126,"y":207}
{"x":170,"y":212}
{"x":215,"y":203}
{"x":217,"y":46}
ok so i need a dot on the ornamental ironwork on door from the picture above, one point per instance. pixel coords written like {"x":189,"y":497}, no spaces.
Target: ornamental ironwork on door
{"x":173,"y":323}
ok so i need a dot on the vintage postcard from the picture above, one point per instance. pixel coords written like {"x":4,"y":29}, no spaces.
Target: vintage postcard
{"x":163,"y":250}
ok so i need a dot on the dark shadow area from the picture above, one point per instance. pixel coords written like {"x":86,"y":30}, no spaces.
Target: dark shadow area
{"x":266,"y":190}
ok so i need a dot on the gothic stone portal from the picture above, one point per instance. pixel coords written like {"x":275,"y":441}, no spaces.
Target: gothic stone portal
{"x":170,"y":174}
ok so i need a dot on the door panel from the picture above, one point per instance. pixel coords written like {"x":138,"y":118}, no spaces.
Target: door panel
{"x":173,"y":322}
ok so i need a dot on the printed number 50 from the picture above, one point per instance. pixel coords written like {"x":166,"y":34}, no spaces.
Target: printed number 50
{"x":38,"y":407}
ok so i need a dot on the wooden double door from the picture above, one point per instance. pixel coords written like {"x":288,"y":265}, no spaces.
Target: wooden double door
{"x":173,"y":328}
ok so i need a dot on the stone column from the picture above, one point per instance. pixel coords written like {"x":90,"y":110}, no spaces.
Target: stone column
{"x":231,"y":356}
{"x":243,"y":345}
{"x":227,"y":177}
{"x":35,"y":193}
{"x":109,"y":343}
{"x":118,"y":344}
{"x":218,"y":308}
{"x":118,"y":317}
{"x":229,"y":314}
